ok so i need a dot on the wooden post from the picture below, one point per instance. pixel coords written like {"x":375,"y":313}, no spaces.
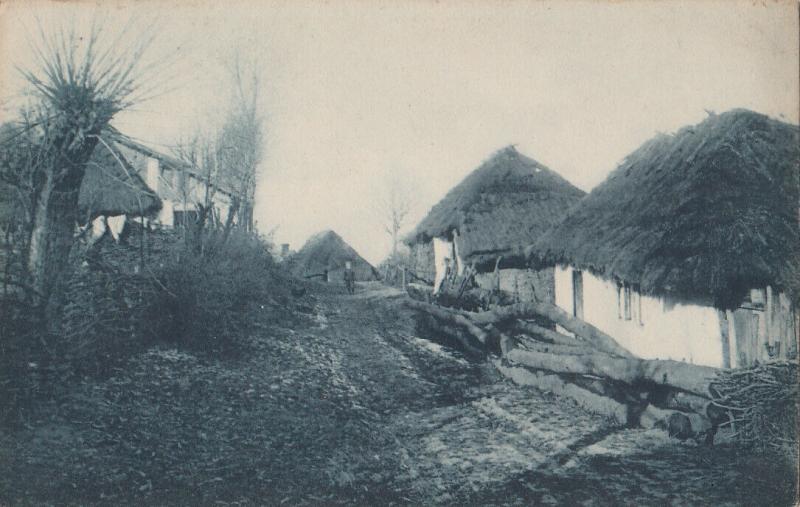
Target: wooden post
{"x":732,"y":345}
{"x":769,"y":324}
{"x":723,"y":331}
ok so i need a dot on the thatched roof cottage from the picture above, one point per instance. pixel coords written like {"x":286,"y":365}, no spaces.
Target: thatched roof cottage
{"x":690,"y":248}
{"x":178,"y":184}
{"x":324,"y":256}
{"x":111,"y":189}
{"x":487,"y":220}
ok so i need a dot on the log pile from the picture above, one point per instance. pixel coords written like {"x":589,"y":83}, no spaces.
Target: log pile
{"x":587,"y":366}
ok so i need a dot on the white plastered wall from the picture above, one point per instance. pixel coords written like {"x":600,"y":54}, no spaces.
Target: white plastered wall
{"x":684,"y":332}
{"x":442,"y":249}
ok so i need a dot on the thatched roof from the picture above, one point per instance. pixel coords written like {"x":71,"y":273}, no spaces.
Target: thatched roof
{"x":111,"y":186}
{"x":138,"y":150}
{"x":328,"y":251}
{"x":498,"y":209}
{"x":706,"y":213}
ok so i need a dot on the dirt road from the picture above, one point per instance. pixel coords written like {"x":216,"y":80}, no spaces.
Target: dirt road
{"x":349,"y":405}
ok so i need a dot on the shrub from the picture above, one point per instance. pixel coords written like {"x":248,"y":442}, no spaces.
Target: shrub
{"x":208,"y":289}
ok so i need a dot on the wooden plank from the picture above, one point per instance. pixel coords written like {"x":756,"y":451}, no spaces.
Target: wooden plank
{"x":769,"y":322}
{"x":724,"y":328}
{"x":733,"y":346}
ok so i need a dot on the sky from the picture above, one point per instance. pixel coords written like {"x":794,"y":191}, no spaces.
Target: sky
{"x":357,"y":93}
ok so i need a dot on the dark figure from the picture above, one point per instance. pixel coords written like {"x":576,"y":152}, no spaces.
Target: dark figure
{"x":349,"y":278}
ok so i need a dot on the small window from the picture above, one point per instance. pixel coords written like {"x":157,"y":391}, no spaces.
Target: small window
{"x":626,"y":302}
{"x":629,"y":302}
{"x":638,"y":293}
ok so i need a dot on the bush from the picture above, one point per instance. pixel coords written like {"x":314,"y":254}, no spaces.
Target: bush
{"x":192,"y":289}
{"x":209,"y":286}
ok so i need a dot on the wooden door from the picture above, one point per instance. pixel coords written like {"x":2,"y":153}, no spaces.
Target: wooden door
{"x":577,"y":293}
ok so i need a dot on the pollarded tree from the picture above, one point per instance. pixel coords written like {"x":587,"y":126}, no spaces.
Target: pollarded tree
{"x":78,"y":87}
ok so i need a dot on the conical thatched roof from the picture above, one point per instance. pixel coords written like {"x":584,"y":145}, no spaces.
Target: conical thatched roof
{"x":706,"y":213}
{"x":328,"y":251}
{"x":111,"y":186}
{"x":501,"y":207}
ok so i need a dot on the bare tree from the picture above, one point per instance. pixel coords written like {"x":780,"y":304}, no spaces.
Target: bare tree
{"x":394,"y":205}
{"x":239,"y":145}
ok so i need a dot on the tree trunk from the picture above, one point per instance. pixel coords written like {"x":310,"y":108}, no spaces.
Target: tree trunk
{"x":37,"y":245}
{"x":55,"y":215}
{"x":548,"y":335}
{"x":552,"y":383}
{"x":451,"y":318}
{"x":686,"y":377}
{"x":557,"y":316}
{"x":466,"y":342}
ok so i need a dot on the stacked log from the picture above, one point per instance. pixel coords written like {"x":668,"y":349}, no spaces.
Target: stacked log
{"x":589,"y":367}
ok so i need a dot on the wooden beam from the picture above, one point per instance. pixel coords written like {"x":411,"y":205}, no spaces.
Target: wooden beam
{"x":557,"y":316}
{"x":691,"y":378}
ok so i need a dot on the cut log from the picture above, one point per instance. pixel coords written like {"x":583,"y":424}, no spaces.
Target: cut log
{"x":419,"y":291}
{"x":686,"y":377}
{"x":534,"y":345}
{"x":548,"y":335}
{"x":447,"y":334}
{"x":681,"y":425}
{"x":551,"y":383}
{"x":452,"y":318}
{"x":557,"y":316}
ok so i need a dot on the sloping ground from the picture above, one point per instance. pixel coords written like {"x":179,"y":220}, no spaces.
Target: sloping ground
{"x":349,"y":406}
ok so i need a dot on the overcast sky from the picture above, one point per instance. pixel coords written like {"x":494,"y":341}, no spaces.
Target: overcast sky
{"x":357,"y":91}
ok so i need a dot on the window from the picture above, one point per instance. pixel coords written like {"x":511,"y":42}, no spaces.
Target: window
{"x":629,"y":302}
{"x":626,"y":302}
{"x":637,"y":303}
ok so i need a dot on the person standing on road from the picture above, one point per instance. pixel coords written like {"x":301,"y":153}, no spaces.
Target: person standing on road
{"x":349,"y":277}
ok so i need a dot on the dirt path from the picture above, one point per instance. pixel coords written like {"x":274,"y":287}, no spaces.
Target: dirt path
{"x":349,"y":405}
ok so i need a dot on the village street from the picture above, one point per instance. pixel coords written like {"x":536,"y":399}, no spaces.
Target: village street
{"x":340,"y":402}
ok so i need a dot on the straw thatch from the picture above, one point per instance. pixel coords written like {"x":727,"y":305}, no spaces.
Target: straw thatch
{"x":704,"y":214}
{"x":502,"y":206}
{"x":111,"y":186}
{"x":327,"y":251}
{"x":138,"y":153}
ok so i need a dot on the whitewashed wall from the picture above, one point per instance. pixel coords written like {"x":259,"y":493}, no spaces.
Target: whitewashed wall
{"x":689,"y":333}
{"x":442,"y":249}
